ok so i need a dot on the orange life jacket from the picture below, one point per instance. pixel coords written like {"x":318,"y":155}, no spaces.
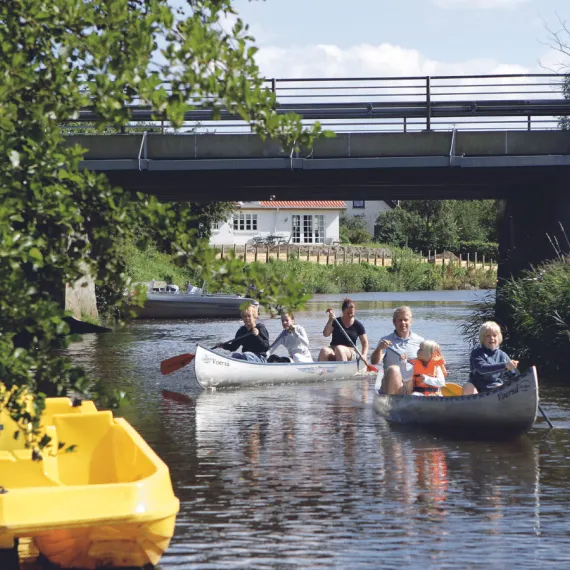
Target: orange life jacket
{"x":428,"y":369}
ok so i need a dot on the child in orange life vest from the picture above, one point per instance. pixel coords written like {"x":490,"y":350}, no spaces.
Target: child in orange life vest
{"x":429,"y":370}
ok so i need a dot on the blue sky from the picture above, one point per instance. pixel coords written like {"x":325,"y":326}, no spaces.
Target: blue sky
{"x":312,"y":38}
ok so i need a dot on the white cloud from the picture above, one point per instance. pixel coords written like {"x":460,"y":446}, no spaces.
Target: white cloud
{"x":479,"y":4}
{"x":366,"y":60}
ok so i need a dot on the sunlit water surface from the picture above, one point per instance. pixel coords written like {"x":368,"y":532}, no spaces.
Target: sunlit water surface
{"x":307,"y":476}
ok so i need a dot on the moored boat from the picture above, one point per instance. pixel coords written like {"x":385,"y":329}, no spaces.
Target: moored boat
{"x":214,"y":370}
{"x":109,"y":503}
{"x":504,"y":413}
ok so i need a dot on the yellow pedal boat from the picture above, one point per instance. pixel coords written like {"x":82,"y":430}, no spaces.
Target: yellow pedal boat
{"x":110,"y":503}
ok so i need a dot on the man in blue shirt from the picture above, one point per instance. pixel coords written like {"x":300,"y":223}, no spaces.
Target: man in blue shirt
{"x":394,"y":352}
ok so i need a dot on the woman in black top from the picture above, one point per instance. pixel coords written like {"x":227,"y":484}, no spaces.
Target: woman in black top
{"x":340,"y":347}
{"x":256,"y":342}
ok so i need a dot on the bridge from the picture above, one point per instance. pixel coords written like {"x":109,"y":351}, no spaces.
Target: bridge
{"x":452,"y":137}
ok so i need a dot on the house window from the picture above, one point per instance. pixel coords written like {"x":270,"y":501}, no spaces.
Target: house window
{"x":308,"y":228}
{"x":245,"y":222}
{"x":358,"y":204}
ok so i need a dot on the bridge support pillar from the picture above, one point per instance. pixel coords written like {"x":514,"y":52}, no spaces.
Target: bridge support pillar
{"x":528,"y":221}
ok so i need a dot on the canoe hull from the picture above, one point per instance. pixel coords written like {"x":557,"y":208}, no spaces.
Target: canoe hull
{"x":182,"y":306}
{"x":110,"y":503}
{"x":215,"y":370}
{"x":504,"y":413}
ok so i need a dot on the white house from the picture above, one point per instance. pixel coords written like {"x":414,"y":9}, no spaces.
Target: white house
{"x":368,"y":210}
{"x":303,"y":221}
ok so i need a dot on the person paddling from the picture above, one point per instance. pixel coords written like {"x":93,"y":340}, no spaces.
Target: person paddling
{"x":488,"y":362}
{"x":393,"y":352}
{"x":252,"y":337}
{"x":340,"y":347}
{"x":294,"y":339}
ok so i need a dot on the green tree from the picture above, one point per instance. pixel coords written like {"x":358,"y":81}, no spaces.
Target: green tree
{"x":59,"y":222}
{"x":353,"y":230}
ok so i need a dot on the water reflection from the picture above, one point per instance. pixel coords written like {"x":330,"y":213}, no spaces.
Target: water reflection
{"x":308,"y":476}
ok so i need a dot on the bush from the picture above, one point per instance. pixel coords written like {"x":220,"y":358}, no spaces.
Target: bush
{"x":489,"y":249}
{"x":353,"y":230}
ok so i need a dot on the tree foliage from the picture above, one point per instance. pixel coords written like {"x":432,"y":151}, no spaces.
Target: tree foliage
{"x":353,"y":230}
{"x":438,"y":224}
{"x":59,"y":222}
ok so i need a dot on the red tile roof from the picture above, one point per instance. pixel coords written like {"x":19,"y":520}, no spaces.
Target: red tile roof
{"x":335,"y":204}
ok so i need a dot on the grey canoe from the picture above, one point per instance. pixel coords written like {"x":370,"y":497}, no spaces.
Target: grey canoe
{"x":504,"y":413}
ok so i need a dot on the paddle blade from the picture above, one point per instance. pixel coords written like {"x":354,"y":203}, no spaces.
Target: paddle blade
{"x":176,"y":363}
{"x":452,"y":389}
{"x":177,"y":397}
{"x":371,"y":368}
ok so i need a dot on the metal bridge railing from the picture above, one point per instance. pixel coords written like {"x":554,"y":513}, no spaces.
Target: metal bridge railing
{"x":391,"y":104}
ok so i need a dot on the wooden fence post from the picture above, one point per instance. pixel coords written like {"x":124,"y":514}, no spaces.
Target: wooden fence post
{"x":299,"y":253}
{"x":318,"y":256}
{"x":278,"y":252}
{"x":255,"y":255}
{"x":344,"y":256}
{"x":287,"y":253}
{"x":383,"y":258}
{"x":483,"y":261}
{"x":375,"y":257}
{"x":443,"y":262}
{"x":468,"y":260}
{"x":222,"y":252}
{"x":336,"y":255}
{"x":235,"y":251}
{"x":328,"y":254}
{"x":267,"y":254}
{"x":245,"y":253}
{"x":308,"y":253}
{"x":359,"y":256}
{"x":475,"y":260}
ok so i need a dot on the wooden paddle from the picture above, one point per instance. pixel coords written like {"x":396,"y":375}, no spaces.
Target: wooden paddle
{"x":175,"y":363}
{"x":369,"y":367}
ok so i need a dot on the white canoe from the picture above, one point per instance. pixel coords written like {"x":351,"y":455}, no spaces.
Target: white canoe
{"x":191,"y":306}
{"x":503,"y":413}
{"x":215,"y":370}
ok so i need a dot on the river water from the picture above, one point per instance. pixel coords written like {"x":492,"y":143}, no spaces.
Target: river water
{"x":307,"y":476}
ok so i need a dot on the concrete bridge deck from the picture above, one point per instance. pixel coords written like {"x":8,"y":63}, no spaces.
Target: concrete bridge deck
{"x":456,"y":164}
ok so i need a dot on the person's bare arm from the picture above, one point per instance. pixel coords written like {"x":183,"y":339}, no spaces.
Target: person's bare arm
{"x":364,"y":342}
{"x":328,"y":330}
{"x":379,"y":351}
